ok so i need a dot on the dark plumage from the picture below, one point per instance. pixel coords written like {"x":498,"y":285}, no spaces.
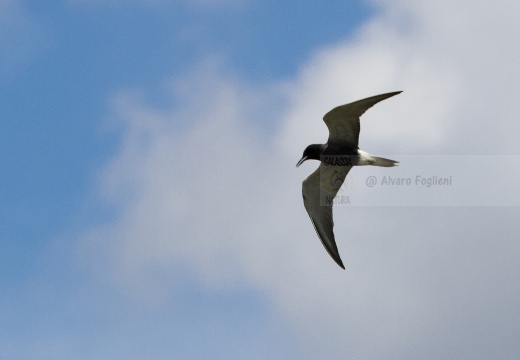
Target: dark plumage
{"x":336,"y":157}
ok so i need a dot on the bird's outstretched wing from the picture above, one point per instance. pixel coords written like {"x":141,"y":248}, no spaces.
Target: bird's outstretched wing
{"x":343,"y":121}
{"x":319,"y":190}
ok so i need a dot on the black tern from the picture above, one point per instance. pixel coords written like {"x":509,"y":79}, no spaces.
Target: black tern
{"x":336,"y":157}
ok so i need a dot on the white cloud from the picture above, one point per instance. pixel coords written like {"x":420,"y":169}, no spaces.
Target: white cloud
{"x":201,"y":189}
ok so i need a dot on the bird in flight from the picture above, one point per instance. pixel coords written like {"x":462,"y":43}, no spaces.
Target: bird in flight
{"x":336,"y":157}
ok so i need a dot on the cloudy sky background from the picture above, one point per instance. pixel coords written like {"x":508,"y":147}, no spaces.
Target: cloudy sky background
{"x":150,"y":207}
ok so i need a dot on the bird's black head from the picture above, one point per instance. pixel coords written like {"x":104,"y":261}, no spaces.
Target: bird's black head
{"x":312,"y":152}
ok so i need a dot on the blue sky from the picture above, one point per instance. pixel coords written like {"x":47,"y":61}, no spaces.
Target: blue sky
{"x":149,"y":204}
{"x":55,"y":94}
{"x":62,"y":62}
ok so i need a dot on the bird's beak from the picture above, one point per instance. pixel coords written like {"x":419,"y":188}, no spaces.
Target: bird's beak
{"x":301,"y":161}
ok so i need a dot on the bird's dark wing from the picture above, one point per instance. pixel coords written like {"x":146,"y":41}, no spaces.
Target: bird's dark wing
{"x":318,"y":190}
{"x":343,"y":121}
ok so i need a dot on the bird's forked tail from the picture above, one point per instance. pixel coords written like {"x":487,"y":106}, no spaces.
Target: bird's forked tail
{"x":379,"y":161}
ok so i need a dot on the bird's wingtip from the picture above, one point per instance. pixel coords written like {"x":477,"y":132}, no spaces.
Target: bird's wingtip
{"x":339,"y":262}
